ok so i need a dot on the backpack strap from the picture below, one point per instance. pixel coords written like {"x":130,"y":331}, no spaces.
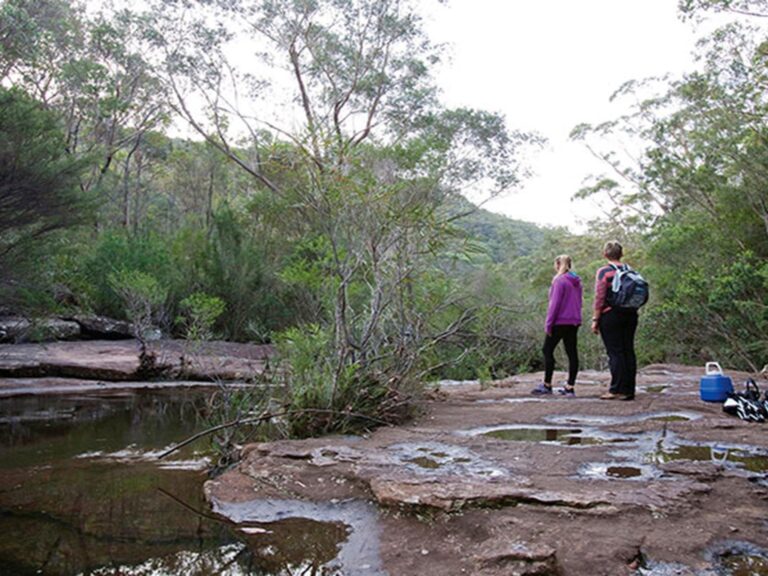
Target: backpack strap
{"x":616,"y":280}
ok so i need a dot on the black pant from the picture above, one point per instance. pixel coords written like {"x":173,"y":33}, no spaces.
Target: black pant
{"x":568,"y":335}
{"x":617,"y":328}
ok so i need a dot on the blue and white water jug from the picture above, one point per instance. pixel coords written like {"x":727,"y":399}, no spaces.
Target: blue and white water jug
{"x":715,"y":386}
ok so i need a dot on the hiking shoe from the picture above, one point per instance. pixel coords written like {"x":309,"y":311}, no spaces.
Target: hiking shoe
{"x":567,"y":392}
{"x":542,"y":390}
{"x":614,"y":396}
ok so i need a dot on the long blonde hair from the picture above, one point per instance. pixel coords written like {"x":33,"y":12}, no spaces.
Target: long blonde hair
{"x":563,"y":264}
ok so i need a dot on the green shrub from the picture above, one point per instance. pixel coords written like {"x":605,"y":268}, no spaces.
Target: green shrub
{"x":236,"y":268}
{"x":716,"y":313}
{"x":199,"y":314}
{"x":321,"y":395}
{"x":142,"y":297}
{"x":116,"y":256}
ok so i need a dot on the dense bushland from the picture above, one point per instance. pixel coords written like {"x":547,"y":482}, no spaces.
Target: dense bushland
{"x":333,"y":222}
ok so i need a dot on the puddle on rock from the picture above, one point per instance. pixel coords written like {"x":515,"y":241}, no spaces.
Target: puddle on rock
{"x":761,"y":481}
{"x":618,"y":471}
{"x":294,"y":545}
{"x":745,"y":565}
{"x":443,"y":459}
{"x":298,"y":537}
{"x":508,"y":400}
{"x":655,"y":389}
{"x":723,"y":455}
{"x":614,"y":420}
{"x":424,"y":462}
{"x":644,"y":452}
{"x":663,"y":447}
{"x":652,"y":568}
{"x":565,"y":436}
{"x":623,"y":472}
{"x":671,"y":418}
{"x":738,"y":558}
{"x":535,"y":434}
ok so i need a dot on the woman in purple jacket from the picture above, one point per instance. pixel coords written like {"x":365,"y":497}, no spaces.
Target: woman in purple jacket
{"x":562,"y":323}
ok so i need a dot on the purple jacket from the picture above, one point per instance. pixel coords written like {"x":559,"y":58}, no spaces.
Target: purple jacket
{"x":564,"y":302}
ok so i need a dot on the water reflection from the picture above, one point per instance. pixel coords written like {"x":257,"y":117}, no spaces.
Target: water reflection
{"x":568,"y":436}
{"x":745,"y":565}
{"x":728,"y":456}
{"x":35,"y":430}
{"x":82,"y":492}
{"x":65,"y":519}
{"x":618,"y":471}
{"x":310,"y":537}
{"x":738,"y":558}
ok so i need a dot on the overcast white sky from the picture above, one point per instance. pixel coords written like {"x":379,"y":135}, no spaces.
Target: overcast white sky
{"x":548,"y":66}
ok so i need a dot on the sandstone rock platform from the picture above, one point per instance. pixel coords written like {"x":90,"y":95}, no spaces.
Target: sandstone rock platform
{"x":81,"y":363}
{"x":491,"y":480}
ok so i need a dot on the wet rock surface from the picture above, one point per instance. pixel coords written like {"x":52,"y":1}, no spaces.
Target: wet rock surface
{"x":583,"y":486}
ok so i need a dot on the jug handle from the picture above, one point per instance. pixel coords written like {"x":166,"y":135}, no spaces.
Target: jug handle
{"x":713,"y":368}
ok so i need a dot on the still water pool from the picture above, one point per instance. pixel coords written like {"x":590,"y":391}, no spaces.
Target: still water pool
{"x":83,"y":492}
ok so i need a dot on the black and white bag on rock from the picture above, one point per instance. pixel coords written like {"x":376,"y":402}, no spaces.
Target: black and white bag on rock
{"x":747,"y":405}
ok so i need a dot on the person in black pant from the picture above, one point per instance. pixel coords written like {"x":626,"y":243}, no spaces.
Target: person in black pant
{"x":562,"y":323}
{"x":617,"y":327}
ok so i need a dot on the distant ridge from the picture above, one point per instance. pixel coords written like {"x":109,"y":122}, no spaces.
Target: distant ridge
{"x":502,"y":237}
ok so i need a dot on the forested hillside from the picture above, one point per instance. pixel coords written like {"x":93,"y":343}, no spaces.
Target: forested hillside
{"x":499,"y":235}
{"x":311,"y":195}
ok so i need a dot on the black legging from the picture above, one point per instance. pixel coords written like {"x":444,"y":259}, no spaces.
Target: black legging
{"x":568,"y":335}
{"x":617,"y":328}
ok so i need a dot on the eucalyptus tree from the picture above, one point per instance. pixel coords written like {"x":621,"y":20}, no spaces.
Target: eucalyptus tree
{"x":330,"y":107}
{"x":698,"y":191}
{"x":88,"y":68}
{"x":700,"y":137}
{"x":751,"y":8}
{"x":703,"y":142}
